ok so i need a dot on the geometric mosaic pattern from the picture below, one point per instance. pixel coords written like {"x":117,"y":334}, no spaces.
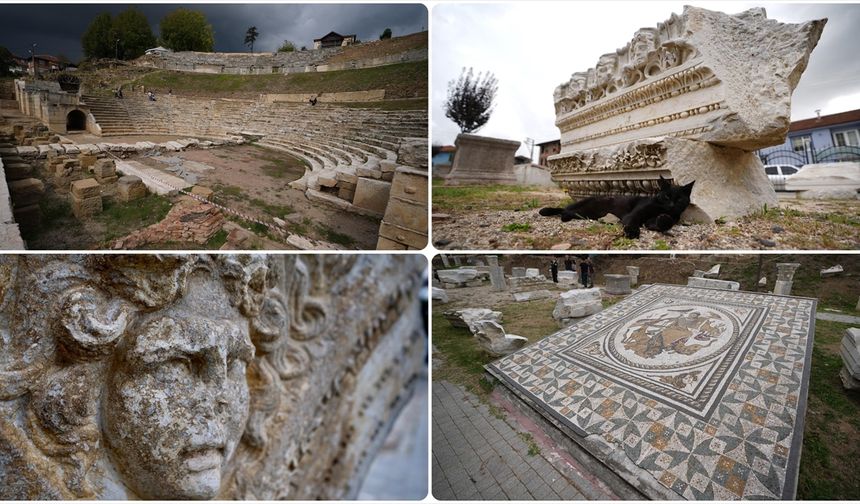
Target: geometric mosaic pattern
{"x":705,"y":389}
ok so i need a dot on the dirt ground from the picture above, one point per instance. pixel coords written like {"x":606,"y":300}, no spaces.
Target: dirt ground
{"x":797,"y":224}
{"x":255,"y":181}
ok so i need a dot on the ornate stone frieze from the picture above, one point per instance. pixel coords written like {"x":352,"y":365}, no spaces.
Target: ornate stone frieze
{"x":202,"y":376}
{"x":634,"y":156}
{"x":694,"y":69}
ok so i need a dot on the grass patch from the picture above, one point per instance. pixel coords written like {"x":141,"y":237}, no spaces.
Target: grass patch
{"x":623,"y":243}
{"x":402,"y":80}
{"x":660,"y":245}
{"x":495,"y":197}
{"x":831,"y":435}
{"x":121,"y":219}
{"x":334,"y":237}
{"x":534,"y":449}
{"x":516,"y":227}
{"x":464,"y":359}
{"x":217,"y":241}
{"x":231,"y":191}
{"x":273,"y":210}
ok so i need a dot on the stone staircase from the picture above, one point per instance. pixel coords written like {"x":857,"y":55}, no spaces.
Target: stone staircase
{"x":113,"y":119}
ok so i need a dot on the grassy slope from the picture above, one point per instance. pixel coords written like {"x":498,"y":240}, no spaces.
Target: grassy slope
{"x":403,"y":80}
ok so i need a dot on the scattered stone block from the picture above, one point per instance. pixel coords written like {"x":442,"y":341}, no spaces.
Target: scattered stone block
{"x":531,"y":295}
{"x":104,"y":168}
{"x":617,"y":284}
{"x":17,"y":170}
{"x":86,"y":188}
{"x":203,"y":192}
{"x":712,"y":283}
{"x":832,"y":271}
{"x":568,"y":277}
{"x":87,"y":160}
{"x":576,"y":303}
{"x":465,"y":317}
{"x":517,"y":272}
{"x":439,"y":295}
{"x":130,"y":188}
{"x":714,"y":272}
{"x":26,"y":192}
{"x":372,"y":194}
{"x":492,"y":338}
{"x":633,"y":273}
{"x":86,"y":208}
{"x":850,"y":351}
{"x":532,"y":272}
{"x":457,"y":276}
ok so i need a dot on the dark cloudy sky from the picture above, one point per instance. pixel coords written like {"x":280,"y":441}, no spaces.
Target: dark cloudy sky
{"x":57,"y":28}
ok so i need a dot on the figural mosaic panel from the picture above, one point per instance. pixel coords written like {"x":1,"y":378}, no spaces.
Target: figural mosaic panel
{"x":702,"y":389}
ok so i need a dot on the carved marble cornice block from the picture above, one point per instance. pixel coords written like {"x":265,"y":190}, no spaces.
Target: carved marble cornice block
{"x":729,"y":182}
{"x":202,"y":376}
{"x":704,"y":75}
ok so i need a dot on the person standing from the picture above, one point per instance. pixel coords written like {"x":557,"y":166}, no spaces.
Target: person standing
{"x":553,"y":269}
{"x":586,"y":273}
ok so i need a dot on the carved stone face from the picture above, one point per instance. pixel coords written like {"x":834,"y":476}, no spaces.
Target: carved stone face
{"x":577,"y":82}
{"x":643,"y":41}
{"x":177,"y":400}
{"x":606,"y":68}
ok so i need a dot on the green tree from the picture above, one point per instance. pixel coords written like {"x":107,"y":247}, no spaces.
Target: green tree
{"x":287,"y":46}
{"x":133,"y":32}
{"x":251,"y":37}
{"x":98,"y":39}
{"x":187,"y":30}
{"x":470,"y":100}
{"x":6,"y":61}
{"x":385,"y":34}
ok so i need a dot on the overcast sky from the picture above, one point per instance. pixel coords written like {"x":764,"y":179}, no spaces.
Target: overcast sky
{"x":533,"y":47}
{"x":57,"y":28}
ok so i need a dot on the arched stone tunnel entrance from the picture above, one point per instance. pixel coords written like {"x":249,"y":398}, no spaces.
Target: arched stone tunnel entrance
{"x":76,"y":121}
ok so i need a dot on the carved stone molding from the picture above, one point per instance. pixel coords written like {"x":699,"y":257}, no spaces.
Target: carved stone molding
{"x":202,"y":376}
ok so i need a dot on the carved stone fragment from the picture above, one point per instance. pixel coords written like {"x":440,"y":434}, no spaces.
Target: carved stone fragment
{"x":202,"y":376}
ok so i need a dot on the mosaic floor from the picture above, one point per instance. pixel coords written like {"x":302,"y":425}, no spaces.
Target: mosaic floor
{"x":703,"y":389}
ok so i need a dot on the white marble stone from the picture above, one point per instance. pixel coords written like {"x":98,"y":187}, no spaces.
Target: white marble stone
{"x":457,"y":276}
{"x":712,"y":283}
{"x":439,"y":295}
{"x":531,"y":295}
{"x":577,"y":303}
{"x":493,"y":339}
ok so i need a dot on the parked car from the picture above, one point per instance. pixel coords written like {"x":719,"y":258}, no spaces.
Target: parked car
{"x":778,"y":173}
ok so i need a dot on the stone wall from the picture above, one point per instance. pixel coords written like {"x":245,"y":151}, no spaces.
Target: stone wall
{"x":10,"y":235}
{"x":270,"y":63}
{"x":203,"y":376}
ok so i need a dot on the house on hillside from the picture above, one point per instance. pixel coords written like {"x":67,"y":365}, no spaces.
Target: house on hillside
{"x":334,"y":39}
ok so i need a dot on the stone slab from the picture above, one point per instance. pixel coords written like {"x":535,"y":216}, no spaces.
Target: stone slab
{"x":712,"y":283}
{"x":639,"y":383}
{"x":483,"y":160}
{"x":372,"y":194}
{"x":155,"y":180}
{"x":531,"y":295}
{"x":86,"y":188}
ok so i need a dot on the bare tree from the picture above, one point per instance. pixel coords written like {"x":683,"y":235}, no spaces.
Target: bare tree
{"x":470,"y":100}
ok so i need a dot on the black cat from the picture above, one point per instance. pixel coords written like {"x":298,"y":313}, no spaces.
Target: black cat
{"x":657,"y":213}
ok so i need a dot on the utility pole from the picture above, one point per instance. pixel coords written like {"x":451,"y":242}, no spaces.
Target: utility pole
{"x":530,"y":143}
{"x":33,"y":56}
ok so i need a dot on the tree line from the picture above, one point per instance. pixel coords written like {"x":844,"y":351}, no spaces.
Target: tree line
{"x":128,"y":34}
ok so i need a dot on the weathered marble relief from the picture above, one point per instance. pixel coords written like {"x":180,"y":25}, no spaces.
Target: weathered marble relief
{"x":720,"y":83}
{"x":202,"y":376}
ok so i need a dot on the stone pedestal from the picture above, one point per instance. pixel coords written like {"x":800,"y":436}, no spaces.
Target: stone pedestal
{"x":532,"y":272}
{"x":445,"y":261}
{"x":130,"y":188}
{"x":483,"y":160}
{"x":784,"y":278}
{"x":617,"y":284}
{"x":568,"y":278}
{"x":497,"y":274}
{"x":633,"y":273}
{"x":712,"y":283}
{"x":86,"y":198}
{"x":575,"y":304}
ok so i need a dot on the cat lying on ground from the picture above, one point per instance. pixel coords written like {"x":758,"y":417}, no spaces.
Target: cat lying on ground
{"x":657,"y":213}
